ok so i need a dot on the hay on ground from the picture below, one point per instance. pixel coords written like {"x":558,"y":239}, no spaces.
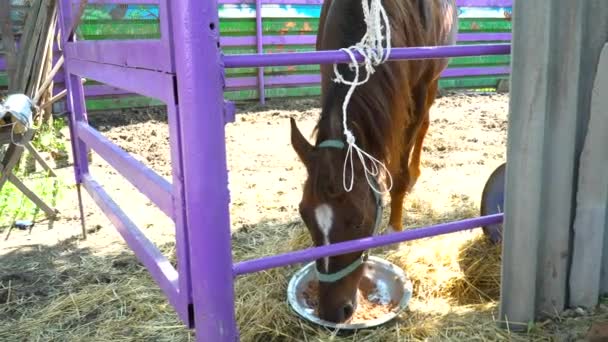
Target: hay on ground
{"x":77,"y":295}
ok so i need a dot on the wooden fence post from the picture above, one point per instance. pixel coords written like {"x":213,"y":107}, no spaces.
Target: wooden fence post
{"x":554,"y":45}
{"x":592,"y":199}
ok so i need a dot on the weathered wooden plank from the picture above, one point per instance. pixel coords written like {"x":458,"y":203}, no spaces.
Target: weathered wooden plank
{"x":592,"y":199}
{"x":527,"y":114}
{"x":49,"y":79}
{"x":8,"y":39}
{"x":548,"y":117}
{"x":44,"y":43}
{"x":25,"y":49}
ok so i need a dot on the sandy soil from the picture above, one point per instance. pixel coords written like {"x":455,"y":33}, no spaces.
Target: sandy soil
{"x":465,"y":143}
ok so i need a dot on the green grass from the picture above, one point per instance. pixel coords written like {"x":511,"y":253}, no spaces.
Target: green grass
{"x":16,"y":206}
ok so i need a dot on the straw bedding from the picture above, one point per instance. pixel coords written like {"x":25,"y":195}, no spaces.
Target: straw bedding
{"x":85,"y":295}
{"x":54,"y":287}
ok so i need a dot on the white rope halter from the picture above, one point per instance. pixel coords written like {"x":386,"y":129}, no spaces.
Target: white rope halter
{"x":370,"y":47}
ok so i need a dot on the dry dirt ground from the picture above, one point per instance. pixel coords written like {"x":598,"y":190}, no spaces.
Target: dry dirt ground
{"x":54,"y":286}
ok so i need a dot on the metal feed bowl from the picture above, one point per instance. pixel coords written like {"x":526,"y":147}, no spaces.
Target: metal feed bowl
{"x":376,"y":269}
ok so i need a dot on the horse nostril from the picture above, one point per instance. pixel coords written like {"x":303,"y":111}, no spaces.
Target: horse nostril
{"x":348,"y":311}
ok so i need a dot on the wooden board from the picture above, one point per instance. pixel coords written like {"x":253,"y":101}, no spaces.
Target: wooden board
{"x":8,"y":38}
{"x":552,"y":76}
{"x":25,"y":54}
{"x":592,"y":199}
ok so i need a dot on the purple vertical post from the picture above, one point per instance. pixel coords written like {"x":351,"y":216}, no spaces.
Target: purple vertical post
{"x":199,"y":70}
{"x":75,"y":99}
{"x":259,"y":35}
{"x":77,"y":107}
{"x":179,"y":214}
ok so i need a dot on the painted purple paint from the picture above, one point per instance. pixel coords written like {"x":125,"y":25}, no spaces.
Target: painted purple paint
{"x":148,"y":182}
{"x":159,"y":266}
{"x":292,"y":80}
{"x":336,"y":56}
{"x":251,"y":40}
{"x":121,"y":2}
{"x":179,"y":216}
{"x":259,"y":38}
{"x":143,"y":54}
{"x":75,"y":103}
{"x":149,"y":83}
{"x":145,"y":82}
{"x":312,"y":39}
{"x":195,"y":26}
{"x":311,"y":254}
{"x":186,"y":61}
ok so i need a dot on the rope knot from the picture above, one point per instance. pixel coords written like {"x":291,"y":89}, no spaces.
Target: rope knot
{"x":350,"y":138}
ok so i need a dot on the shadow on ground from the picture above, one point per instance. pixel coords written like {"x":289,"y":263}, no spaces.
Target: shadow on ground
{"x":68,"y":292}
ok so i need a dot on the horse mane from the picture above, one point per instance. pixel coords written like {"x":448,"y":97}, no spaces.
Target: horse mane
{"x":379,"y":110}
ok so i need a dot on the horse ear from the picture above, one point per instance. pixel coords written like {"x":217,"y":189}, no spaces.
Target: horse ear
{"x":302,"y":147}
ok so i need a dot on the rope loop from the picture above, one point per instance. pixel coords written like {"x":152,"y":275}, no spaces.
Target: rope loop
{"x":370,"y":47}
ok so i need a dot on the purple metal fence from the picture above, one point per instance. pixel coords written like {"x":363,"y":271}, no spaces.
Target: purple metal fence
{"x":185,"y":70}
{"x":239,"y":87}
{"x":294,"y":80}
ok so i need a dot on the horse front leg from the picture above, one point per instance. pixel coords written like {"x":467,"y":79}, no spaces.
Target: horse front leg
{"x":414,"y":166}
{"x":401,"y":179}
{"x":408,"y":170}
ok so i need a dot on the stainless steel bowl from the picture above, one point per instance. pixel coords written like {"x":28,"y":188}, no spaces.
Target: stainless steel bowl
{"x":376,"y":269}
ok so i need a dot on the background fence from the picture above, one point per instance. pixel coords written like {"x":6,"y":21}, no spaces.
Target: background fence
{"x":286,"y":26}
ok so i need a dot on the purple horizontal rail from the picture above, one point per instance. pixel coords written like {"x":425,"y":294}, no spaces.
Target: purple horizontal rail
{"x":157,"y":264}
{"x":287,"y":80}
{"x":153,"y":84}
{"x":120,"y":2}
{"x":291,"y":80}
{"x":336,"y":56}
{"x":142,"y":54}
{"x":312,"y":39}
{"x":148,"y":182}
{"x":95,"y":90}
{"x":310,"y":254}
{"x":460,"y":3}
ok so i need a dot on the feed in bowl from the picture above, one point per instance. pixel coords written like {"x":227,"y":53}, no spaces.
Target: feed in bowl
{"x":373,"y":301}
{"x":384,"y":291}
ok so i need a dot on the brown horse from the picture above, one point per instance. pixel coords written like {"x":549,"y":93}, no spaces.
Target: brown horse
{"x":389,"y":117}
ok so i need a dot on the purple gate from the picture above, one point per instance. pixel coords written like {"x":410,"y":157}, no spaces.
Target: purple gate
{"x":185,"y":70}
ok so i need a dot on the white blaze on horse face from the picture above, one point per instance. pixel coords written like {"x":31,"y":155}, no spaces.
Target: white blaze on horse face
{"x":325,"y":219}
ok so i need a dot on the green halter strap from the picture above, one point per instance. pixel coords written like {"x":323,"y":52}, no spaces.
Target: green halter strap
{"x":334,"y":277}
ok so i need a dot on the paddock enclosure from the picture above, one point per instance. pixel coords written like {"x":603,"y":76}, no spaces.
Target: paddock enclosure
{"x":550,"y":224}
{"x":278,"y":26}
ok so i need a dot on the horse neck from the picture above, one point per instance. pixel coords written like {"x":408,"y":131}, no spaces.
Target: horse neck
{"x":369,"y":124}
